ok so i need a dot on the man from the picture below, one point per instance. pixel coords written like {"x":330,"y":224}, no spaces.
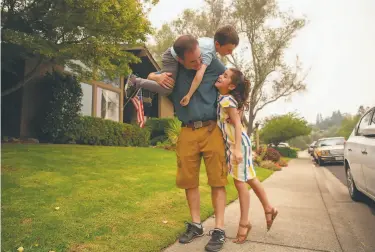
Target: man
{"x":200,"y":136}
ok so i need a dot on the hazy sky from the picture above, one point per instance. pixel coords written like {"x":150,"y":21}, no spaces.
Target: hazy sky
{"x":338,"y":45}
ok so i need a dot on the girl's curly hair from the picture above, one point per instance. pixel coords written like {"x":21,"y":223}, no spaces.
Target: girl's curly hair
{"x":242,"y":91}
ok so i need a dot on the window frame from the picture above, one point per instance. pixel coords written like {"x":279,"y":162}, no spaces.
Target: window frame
{"x":371,"y":113}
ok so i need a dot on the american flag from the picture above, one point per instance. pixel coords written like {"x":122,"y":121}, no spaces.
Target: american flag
{"x":138,"y":104}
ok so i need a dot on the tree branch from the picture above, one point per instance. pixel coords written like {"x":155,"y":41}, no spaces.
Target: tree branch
{"x":283,"y":94}
{"x":24,"y":81}
{"x":233,"y":61}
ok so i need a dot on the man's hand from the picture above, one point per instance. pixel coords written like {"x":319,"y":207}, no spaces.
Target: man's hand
{"x":237,"y":156}
{"x":185,"y":101}
{"x":165,"y":80}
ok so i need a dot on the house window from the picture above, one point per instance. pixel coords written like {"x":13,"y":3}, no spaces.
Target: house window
{"x":115,"y":82}
{"x":86,"y":108}
{"x":108,"y":104}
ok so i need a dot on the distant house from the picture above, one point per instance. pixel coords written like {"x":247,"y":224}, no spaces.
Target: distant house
{"x":101,"y":98}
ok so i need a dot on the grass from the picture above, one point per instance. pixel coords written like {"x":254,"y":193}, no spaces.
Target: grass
{"x":109,"y":198}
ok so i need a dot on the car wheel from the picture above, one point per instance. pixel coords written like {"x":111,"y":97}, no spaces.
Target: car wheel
{"x":320,"y":162}
{"x":353,"y":191}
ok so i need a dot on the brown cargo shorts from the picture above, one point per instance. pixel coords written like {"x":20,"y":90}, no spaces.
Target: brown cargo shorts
{"x":192,"y":145}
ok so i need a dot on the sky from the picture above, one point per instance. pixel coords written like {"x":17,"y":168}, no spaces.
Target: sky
{"x":337,"y":46}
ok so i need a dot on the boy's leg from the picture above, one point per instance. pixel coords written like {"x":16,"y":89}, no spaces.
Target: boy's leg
{"x":170,"y":65}
{"x":134,"y":84}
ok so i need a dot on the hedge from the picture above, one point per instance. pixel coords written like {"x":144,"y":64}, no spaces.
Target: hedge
{"x":287,"y":152}
{"x":97,"y":131}
{"x":157,"y":127}
{"x":60,"y":107}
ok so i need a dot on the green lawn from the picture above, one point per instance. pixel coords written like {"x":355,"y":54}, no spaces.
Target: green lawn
{"x":109,"y":198}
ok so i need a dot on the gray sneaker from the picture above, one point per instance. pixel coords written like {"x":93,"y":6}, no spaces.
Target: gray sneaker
{"x":217,"y":240}
{"x":192,"y":232}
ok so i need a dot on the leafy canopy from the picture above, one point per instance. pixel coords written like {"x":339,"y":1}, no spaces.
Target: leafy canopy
{"x":88,"y":36}
{"x":282,"y":128}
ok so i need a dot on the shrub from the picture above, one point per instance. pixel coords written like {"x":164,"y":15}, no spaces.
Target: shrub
{"x":173,"y":130}
{"x":287,"y":152}
{"x":262,"y":151}
{"x":97,"y":131}
{"x":272,"y":154}
{"x":157,"y":126}
{"x":159,"y":139}
{"x":59,"y":115}
{"x":268,"y":164}
{"x":282,"y":163}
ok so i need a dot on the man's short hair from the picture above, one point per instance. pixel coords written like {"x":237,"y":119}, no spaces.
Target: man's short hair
{"x":227,"y":35}
{"x":183,"y":44}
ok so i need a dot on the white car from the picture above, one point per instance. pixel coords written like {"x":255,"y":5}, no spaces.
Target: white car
{"x":360,"y":157}
{"x":283,"y":145}
{"x":329,"y":150}
{"x":280,"y":145}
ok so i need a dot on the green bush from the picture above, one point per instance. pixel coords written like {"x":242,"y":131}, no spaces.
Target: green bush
{"x":272,"y":155}
{"x":287,"y":152}
{"x":173,"y":130}
{"x":159,"y":139}
{"x":268,"y":164}
{"x":60,"y":113}
{"x":97,"y":131}
{"x":157,"y":126}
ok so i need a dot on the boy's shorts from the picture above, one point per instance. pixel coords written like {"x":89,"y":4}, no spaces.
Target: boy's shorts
{"x":192,"y":144}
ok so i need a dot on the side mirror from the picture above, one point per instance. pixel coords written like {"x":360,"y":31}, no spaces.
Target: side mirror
{"x":369,"y":131}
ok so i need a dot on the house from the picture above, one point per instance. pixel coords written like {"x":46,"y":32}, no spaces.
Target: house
{"x":101,"y":98}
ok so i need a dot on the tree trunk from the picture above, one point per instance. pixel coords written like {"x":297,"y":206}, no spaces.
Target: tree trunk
{"x":250,"y":126}
{"x":26,"y":79}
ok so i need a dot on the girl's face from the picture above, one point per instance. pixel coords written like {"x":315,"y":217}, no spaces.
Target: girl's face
{"x":224,"y":82}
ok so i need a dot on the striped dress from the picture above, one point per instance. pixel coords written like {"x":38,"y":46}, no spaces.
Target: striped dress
{"x":245,"y":170}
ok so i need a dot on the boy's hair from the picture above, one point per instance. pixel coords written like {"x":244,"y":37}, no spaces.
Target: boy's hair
{"x":242,"y":91}
{"x":227,"y":35}
{"x":184,"y":43}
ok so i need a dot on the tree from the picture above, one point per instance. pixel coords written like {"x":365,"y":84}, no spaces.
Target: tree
{"x":197,"y":23}
{"x":262,"y":61}
{"x":282,"y":128}
{"x":163,"y":39}
{"x":267,"y":43}
{"x":362,"y":110}
{"x":88,"y":36}
{"x":347,"y":125}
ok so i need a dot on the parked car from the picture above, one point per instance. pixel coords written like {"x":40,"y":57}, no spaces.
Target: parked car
{"x":310,"y":150}
{"x":360,"y":158}
{"x":329,"y":150}
{"x":280,"y":145}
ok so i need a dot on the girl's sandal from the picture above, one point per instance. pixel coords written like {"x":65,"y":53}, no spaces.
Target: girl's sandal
{"x":241,"y":238}
{"x":274,"y":213}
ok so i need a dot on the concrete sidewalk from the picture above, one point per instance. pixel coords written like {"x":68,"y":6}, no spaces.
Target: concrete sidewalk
{"x":307,"y":219}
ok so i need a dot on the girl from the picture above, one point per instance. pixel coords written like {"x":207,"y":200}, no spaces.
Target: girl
{"x":234,"y":91}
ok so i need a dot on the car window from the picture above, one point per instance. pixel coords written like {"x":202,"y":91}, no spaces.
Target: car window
{"x":332,"y":142}
{"x":365,"y":122}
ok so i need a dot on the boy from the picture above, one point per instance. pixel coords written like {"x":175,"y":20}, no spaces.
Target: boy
{"x":224,"y":42}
